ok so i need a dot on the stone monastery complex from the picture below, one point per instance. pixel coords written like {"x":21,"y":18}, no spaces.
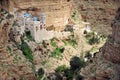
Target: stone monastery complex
{"x":37,"y":15}
{"x":36,"y":26}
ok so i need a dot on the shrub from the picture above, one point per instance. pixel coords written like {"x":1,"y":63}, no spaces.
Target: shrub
{"x":58,"y":76}
{"x":15,"y":23}
{"x":53,"y":43}
{"x":61,"y":68}
{"x":26,"y":50}
{"x":62,"y":49}
{"x":93,"y":38}
{"x":88,"y":55}
{"x":41,"y":72}
{"x":72,"y":42}
{"x":3,"y":10}
{"x":74,"y":15}
{"x":9,"y":16}
{"x":28,"y":35}
{"x":69,"y":74}
{"x":57,"y":53}
{"x":68,"y":28}
{"x":65,"y":42}
{"x":79,"y":77}
{"x":76,"y":63}
{"x":44,"y":44}
{"x":44,"y":62}
{"x":9,"y":48}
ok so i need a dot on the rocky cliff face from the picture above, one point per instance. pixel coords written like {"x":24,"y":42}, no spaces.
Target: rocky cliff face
{"x":13,"y":65}
{"x":106,"y":62}
{"x":57,"y":11}
{"x":5,"y":25}
{"x":99,"y":13}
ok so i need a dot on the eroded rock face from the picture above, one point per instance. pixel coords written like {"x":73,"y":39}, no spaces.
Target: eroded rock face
{"x":4,"y":27}
{"x":57,"y":11}
{"x":106,"y":63}
{"x":112,"y":47}
{"x":99,"y":13}
{"x":13,"y":64}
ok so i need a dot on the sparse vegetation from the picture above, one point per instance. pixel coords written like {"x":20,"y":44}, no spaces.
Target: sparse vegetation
{"x":76,"y":63}
{"x":61,"y":68}
{"x":4,"y":11}
{"x":44,"y":62}
{"x":74,"y":15}
{"x":9,"y":49}
{"x":67,"y":72}
{"x":69,"y":28}
{"x":15,"y":24}
{"x":44,"y":44}
{"x":40,"y":73}
{"x":65,"y":42}
{"x":88,"y":55}
{"x":28,"y":35}
{"x":57,"y":53}
{"x":71,"y":42}
{"x":53,"y":43}
{"x":82,"y":54}
{"x":28,"y":54}
{"x":9,"y":16}
{"x":12,"y":53}
{"x":94,"y":38}
{"x":94,"y":50}
{"x":70,"y":73}
{"x":26,"y":50}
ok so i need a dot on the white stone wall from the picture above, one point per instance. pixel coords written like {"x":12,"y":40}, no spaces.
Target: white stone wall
{"x":47,"y":35}
{"x":42,"y":34}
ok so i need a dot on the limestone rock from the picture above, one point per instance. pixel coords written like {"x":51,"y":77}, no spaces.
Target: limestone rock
{"x":13,"y":66}
{"x":98,"y":12}
{"x":57,"y":11}
{"x":106,"y":63}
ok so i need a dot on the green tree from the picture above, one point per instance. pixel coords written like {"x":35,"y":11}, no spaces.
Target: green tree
{"x":76,"y":63}
{"x":26,"y":50}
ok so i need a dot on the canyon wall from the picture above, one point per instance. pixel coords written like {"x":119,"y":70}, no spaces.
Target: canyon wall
{"x":13,"y":64}
{"x":99,"y":13}
{"x":5,"y":25}
{"x":106,"y":63}
{"x":57,"y":11}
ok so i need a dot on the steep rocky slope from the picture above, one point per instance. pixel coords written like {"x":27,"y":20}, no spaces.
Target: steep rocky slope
{"x":106,"y":63}
{"x":99,"y":13}
{"x":13,"y":65}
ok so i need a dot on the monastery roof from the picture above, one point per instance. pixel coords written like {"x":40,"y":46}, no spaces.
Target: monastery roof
{"x":35,"y":18}
{"x":27,"y":15}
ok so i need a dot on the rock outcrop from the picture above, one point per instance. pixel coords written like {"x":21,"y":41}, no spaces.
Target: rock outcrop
{"x":111,"y":50}
{"x":106,"y":63}
{"x":57,"y":11}
{"x":4,"y":26}
{"x":13,"y":64}
{"x":99,"y":13}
